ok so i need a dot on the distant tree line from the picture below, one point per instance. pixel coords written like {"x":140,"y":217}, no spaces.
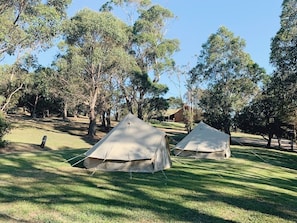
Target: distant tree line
{"x":108,"y":66}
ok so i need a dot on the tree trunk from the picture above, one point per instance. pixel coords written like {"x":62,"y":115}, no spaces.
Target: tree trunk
{"x":270,"y":135}
{"x":227,"y":127}
{"x":140,"y":105}
{"x":65,"y":108}
{"x":33,"y":115}
{"x":116,"y":116}
{"x":92,"y":124}
{"x":92,"y":113}
{"x":108,"y":125}
{"x":128,"y":100}
{"x":103,"y":123}
{"x":8,"y":99}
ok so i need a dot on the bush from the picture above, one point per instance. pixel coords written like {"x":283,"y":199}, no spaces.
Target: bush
{"x":4,"y":128}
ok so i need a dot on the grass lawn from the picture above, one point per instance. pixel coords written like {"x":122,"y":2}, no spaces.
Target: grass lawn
{"x":254,"y":185}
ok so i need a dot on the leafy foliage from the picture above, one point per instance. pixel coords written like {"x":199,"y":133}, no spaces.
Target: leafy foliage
{"x":283,"y":58}
{"x":26,"y":28}
{"x":4,"y":128}
{"x":29,"y":24}
{"x":229,"y":74}
{"x":95,"y":42}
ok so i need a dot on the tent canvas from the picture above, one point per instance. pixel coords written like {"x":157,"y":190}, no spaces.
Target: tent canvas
{"x":131,"y":146}
{"x":204,"y":141}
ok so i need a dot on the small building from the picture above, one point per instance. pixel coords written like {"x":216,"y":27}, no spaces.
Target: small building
{"x":178,"y":115}
{"x":174,"y":115}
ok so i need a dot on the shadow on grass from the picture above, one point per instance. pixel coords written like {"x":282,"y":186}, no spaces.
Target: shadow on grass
{"x":6,"y":218}
{"x":174,"y":138}
{"x":15,"y":147}
{"x":75,"y":158}
{"x":56,"y":183}
{"x":269,"y":156}
{"x":53,"y":186}
{"x":57,"y":125}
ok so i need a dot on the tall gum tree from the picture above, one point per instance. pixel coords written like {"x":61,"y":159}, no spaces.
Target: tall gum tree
{"x":150,"y":49}
{"x":67,"y":82}
{"x":27,"y":27}
{"x":283,"y":57}
{"x":98,"y":38}
{"x":153,"y":52}
{"x":230,"y":76}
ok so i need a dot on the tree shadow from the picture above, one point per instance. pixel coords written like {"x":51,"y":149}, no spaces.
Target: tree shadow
{"x":269,"y":156}
{"x":104,"y":192}
{"x":75,"y":187}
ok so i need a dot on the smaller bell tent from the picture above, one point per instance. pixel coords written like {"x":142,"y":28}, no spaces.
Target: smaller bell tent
{"x":204,"y":141}
{"x":131,"y":146}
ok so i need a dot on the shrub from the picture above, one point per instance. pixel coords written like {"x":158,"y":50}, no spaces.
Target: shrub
{"x":4,"y":128}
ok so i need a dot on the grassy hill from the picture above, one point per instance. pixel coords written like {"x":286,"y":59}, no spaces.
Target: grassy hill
{"x":254,"y":185}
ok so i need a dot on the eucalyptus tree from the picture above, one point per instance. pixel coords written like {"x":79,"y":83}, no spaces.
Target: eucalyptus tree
{"x":150,"y":49}
{"x":11,"y":85}
{"x":27,"y":26}
{"x":38,"y":88}
{"x":257,"y":116}
{"x":175,"y":102}
{"x":67,"y":81}
{"x":148,"y":95}
{"x":229,"y":74}
{"x":4,"y":128}
{"x":98,"y":38}
{"x":283,"y":57}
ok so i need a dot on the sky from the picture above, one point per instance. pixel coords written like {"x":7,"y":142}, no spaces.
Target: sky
{"x":255,"y":21}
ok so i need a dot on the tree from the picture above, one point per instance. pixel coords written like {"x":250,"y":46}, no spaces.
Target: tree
{"x":151,"y":50}
{"x":37,"y":95}
{"x":255,"y":118}
{"x":11,"y":85}
{"x":27,"y":26}
{"x":67,"y":81}
{"x":283,"y":57}
{"x":230,"y":76}
{"x":175,"y":102}
{"x":262,"y":117}
{"x":98,"y":38}
{"x":4,"y":128}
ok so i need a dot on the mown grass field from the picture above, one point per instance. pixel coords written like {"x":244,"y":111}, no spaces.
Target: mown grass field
{"x":254,"y":185}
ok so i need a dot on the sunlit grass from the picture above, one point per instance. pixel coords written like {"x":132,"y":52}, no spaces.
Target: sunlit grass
{"x":242,"y":134}
{"x":254,"y":185}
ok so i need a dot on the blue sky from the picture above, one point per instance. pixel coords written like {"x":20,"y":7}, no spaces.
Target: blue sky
{"x":255,"y":21}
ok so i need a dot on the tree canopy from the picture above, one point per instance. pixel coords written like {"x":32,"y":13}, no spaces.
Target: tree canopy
{"x":106,"y":65}
{"x":229,"y":74}
{"x":283,"y":57}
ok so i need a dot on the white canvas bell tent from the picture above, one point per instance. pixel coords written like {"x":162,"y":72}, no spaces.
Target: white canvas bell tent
{"x":204,"y":141}
{"x":131,"y":146}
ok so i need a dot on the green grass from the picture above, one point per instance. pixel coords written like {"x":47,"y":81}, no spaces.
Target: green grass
{"x":254,"y":185}
{"x":170,"y":125}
